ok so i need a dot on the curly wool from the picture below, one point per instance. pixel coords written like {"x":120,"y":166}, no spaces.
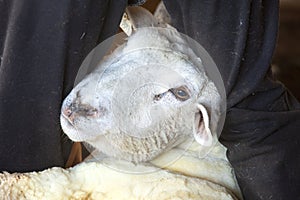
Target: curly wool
{"x":209,"y":178}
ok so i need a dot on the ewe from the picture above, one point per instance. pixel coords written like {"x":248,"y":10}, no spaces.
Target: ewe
{"x":154,"y":113}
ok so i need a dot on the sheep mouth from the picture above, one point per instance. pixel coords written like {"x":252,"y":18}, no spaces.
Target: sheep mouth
{"x":67,"y":120}
{"x":66,"y":123}
{"x":69,"y":129}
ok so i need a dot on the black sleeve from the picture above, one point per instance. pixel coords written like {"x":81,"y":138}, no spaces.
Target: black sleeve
{"x":42,"y":44}
{"x":262,"y":128}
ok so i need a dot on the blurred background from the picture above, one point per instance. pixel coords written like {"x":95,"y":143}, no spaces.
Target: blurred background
{"x":286,"y":60}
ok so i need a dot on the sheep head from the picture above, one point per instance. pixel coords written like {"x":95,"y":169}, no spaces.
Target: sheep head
{"x":151,"y":94}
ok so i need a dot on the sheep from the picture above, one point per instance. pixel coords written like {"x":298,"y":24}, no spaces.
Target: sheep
{"x":151,"y":109}
{"x":189,"y":178}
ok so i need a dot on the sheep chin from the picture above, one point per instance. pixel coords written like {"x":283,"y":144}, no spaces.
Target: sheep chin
{"x":152,"y":143}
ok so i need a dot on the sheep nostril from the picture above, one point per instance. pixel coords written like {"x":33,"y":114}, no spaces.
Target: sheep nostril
{"x":67,"y":112}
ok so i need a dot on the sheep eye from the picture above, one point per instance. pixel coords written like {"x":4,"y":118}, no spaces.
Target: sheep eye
{"x":181,"y":93}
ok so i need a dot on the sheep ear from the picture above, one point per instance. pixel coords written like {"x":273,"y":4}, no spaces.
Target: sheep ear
{"x":137,"y":17}
{"x":202,"y":133}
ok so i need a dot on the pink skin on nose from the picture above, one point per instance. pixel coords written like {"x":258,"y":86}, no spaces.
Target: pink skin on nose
{"x":70,"y":113}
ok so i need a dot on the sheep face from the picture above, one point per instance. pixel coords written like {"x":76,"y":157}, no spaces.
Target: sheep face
{"x":145,"y":98}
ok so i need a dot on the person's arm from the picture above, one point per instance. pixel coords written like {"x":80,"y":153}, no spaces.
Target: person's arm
{"x":263,"y":120}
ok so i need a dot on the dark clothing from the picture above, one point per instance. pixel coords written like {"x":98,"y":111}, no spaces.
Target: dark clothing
{"x":42,"y":44}
{"x":262,"y":128}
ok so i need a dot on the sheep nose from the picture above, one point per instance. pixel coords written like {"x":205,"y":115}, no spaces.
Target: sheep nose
{"x":68,"y":113}
{"x":74,"y":110}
